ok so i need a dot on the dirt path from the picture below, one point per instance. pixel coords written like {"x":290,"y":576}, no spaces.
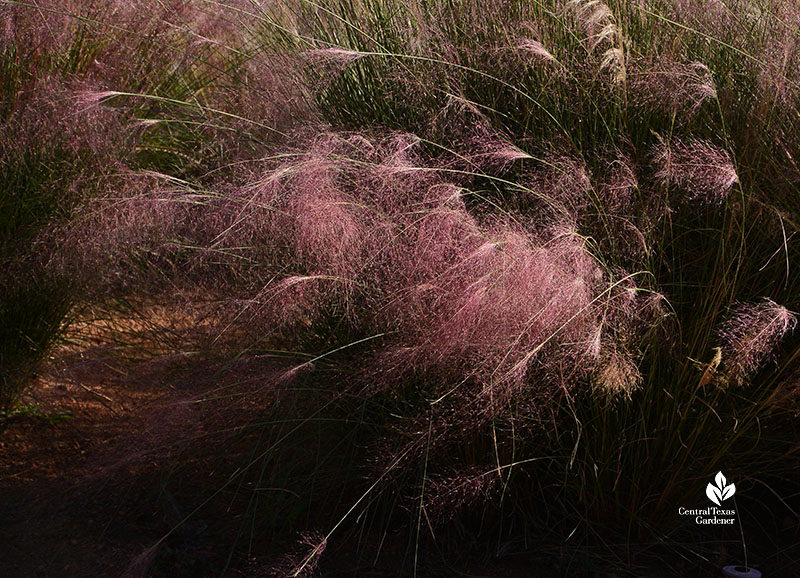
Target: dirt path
{"x":65,"y":506}
{"x":114,"y":455}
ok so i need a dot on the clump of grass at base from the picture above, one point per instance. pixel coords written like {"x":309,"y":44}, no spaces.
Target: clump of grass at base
{"x":33,"y":310}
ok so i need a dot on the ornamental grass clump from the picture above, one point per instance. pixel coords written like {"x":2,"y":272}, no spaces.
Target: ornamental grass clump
{"x":506,"y":260}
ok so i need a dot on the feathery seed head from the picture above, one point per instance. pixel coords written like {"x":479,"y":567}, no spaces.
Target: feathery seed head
{"x":704,"y":171}
{"x":751,"y":335}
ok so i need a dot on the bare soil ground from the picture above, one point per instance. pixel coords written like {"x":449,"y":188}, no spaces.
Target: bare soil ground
{"x":68,"y":471}
{"x":85,"y":470}
{"x":87,"y":475}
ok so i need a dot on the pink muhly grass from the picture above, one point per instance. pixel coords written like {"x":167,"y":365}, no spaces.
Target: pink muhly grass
{"x":778,"y":77}
{"x":698,"y":84}
{"x":625,"y":224}
{"x":713,"y":17}
{"x":328,"y":64}
{"x":439,"y":236}
{"x":142,"y":564}
{"x":401,"y":155}
{"x":567,"y":182}
{"x":447,"y":495}
{"x":704,"y":171}
{"x":508,"y":153}
{"x":600,"y":24}
{"x":328,"y":237}
{"x":506,"y":304}
{"x":751,"y":335}
{"x":535,"y":49}
{"x":287,"y":308}
{"x":302,"y":562}
{"x":93,"y":97}
{"x":628,"y":218}
{"x":341,"y":56}
{"x":460,"y":297}
{"x":9,"y":28}
{"x":476,"y":146}
{"x":466,"y":127}
{"x":489,"y":153}
{"x":674,"y":87}
{"x":618,"y":373}
{"x":629,"y":314}
{"x":100,"y":246}
{"x":249,"y":215}
{"x":598,"y":20}
{"x":350,"y":237}
{"x":621,"y":183}
{"x":50,"y":117}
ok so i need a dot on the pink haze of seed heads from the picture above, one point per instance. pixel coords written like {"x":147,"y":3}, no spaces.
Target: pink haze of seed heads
{"x":751,"y":334}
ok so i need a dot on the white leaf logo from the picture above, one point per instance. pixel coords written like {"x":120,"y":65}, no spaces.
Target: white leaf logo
{"x":719,"y":492}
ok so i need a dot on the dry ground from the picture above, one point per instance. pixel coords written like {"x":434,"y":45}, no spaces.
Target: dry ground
{"x":87,"y":477}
